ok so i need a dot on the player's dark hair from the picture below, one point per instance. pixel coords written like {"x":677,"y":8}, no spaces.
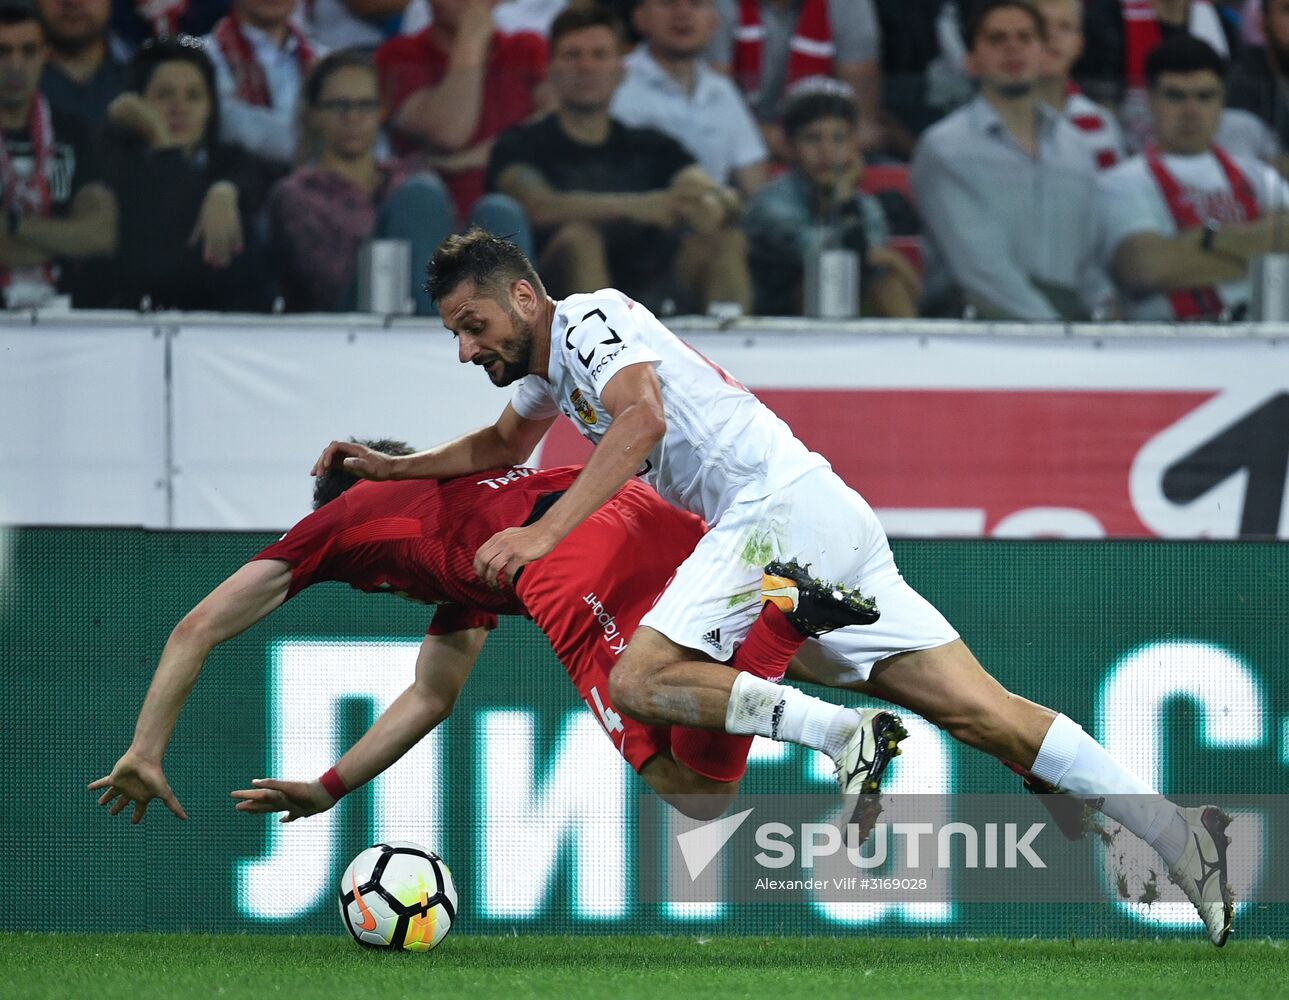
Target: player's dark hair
{"x":156,"y":52}
{"x":810,"y":106}
{"x":493,"y":263}
{"x":976,"y":22}
{"x":1182,"y":54}
{"x":20,"y":12}
{"x":579,"y":19}
{"x":337,"y":479}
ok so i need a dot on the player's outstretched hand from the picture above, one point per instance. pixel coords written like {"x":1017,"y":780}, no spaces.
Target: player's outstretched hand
{"x":507,"y":552}
{"x":138,"y":780}
{"x":357,"y":458}
{"x":295,"y":798}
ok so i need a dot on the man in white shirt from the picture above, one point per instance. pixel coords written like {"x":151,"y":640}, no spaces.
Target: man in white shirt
{"x":655,"y":407}
{"x":261,"y":59}
{"x":669,"y":86}
{"x":1183,"y":221}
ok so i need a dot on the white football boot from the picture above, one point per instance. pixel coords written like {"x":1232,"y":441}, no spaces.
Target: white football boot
{"x":1201,"y":871}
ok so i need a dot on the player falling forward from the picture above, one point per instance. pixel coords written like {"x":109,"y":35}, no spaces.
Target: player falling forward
{"x":417,"y":539}
{"x":653,"y":406}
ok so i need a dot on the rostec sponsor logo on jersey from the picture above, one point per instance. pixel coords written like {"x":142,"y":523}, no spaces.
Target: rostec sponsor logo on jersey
{"x":612,"y":635}
{"x":584,"y":410}
{"x":514,"y":475}
{"x":605,"y":360}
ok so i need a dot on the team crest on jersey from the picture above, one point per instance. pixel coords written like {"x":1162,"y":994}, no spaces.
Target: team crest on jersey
{"x":584,"y":411}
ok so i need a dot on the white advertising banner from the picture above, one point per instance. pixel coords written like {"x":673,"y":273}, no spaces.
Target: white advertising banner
{"x":948,"y":433}
{"x":1031,"y":436}
{"x":83,"y":412}
{"x":253,"y":409}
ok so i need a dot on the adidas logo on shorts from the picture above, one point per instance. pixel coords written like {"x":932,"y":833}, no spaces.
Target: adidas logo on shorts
{"x":713,"y":638}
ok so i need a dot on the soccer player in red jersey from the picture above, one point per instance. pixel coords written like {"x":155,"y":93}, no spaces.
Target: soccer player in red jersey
{"x":417,"y":539}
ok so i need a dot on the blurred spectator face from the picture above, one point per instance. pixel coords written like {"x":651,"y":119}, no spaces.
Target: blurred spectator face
{"x":679,"y":29}
{"x":22,"y":57}
{"x":177,"y":92}
{"x":1186,"y":108}
{"x":1063,"y":20}
{"x":585,"y":69}
{"x":347,"y":114}
{"x":265,"y":13}
{"x":74,"y":25}
{"x":1007,"y":53}
{"x":825,"y":149}
{"x":1275,"y":26}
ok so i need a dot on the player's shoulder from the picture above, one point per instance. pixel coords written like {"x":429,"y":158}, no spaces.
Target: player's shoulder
{"x":604,"y":305}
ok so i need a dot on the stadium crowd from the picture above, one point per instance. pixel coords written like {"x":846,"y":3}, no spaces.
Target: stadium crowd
{"x":1015,"y":159}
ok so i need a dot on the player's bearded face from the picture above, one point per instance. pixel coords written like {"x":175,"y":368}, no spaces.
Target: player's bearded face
{"x":510,"y":357}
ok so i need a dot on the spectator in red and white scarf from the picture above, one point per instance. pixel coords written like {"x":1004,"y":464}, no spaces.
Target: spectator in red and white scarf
{"x":1064,"y":44}
{"x":1113,"y":71}
{"x":55,"y":210}
{"x":1183,"y":220}
{"x":261,"y":60}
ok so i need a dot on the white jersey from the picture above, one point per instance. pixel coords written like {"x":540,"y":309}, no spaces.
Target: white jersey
{"x":721,"y":442}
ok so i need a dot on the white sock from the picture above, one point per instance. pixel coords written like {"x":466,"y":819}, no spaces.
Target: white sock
{"x":758,"y":707}
{"x":1074,"y":762}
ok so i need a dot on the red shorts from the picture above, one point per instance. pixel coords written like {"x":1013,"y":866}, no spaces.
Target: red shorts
{"x":589,"y":594}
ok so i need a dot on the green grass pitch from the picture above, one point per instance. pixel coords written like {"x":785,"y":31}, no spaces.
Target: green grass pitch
{"x":140,"y":966}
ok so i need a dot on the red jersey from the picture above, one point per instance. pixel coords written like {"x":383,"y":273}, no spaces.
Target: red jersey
{"x":516,"y":65}
{"x":417,"y":539}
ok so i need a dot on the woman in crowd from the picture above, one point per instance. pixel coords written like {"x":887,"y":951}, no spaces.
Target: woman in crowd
{"x":343,"y":195}
{"x":188,"y":205}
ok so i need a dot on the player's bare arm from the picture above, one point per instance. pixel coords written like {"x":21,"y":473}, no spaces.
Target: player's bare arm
{"x":507,"y":442}
{"x":234,"y":606}
{"x":633,"y":398}
{"x":442,"y":667}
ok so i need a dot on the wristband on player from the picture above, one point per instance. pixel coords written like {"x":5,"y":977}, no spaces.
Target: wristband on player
{"x":333,"y":784}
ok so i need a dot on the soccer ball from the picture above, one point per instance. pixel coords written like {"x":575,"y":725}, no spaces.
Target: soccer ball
{"x":398,"y":896}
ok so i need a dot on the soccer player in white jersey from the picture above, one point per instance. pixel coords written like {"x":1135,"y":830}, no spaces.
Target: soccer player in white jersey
{"x":656,"y":408}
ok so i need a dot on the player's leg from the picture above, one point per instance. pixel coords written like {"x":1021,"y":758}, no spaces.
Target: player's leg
{"x":688,"y":792}
{"x":587,"y":596}
{"x":711,"y":603}
{"x":948,"y":687}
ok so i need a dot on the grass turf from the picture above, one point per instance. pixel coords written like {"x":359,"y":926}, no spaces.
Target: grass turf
{"x":140,"y":966}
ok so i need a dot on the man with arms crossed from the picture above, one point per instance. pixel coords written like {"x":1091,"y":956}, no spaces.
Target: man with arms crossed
{"x":654,"y":406}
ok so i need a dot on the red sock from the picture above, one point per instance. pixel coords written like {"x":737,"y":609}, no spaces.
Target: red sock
{"x":770,"y":644}
{"x":712,"y":753}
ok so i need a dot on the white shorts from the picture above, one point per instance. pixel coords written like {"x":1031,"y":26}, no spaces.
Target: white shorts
{"x":819,"y":521}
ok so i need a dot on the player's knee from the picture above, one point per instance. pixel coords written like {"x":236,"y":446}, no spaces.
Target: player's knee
{"x":629,"y":687}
